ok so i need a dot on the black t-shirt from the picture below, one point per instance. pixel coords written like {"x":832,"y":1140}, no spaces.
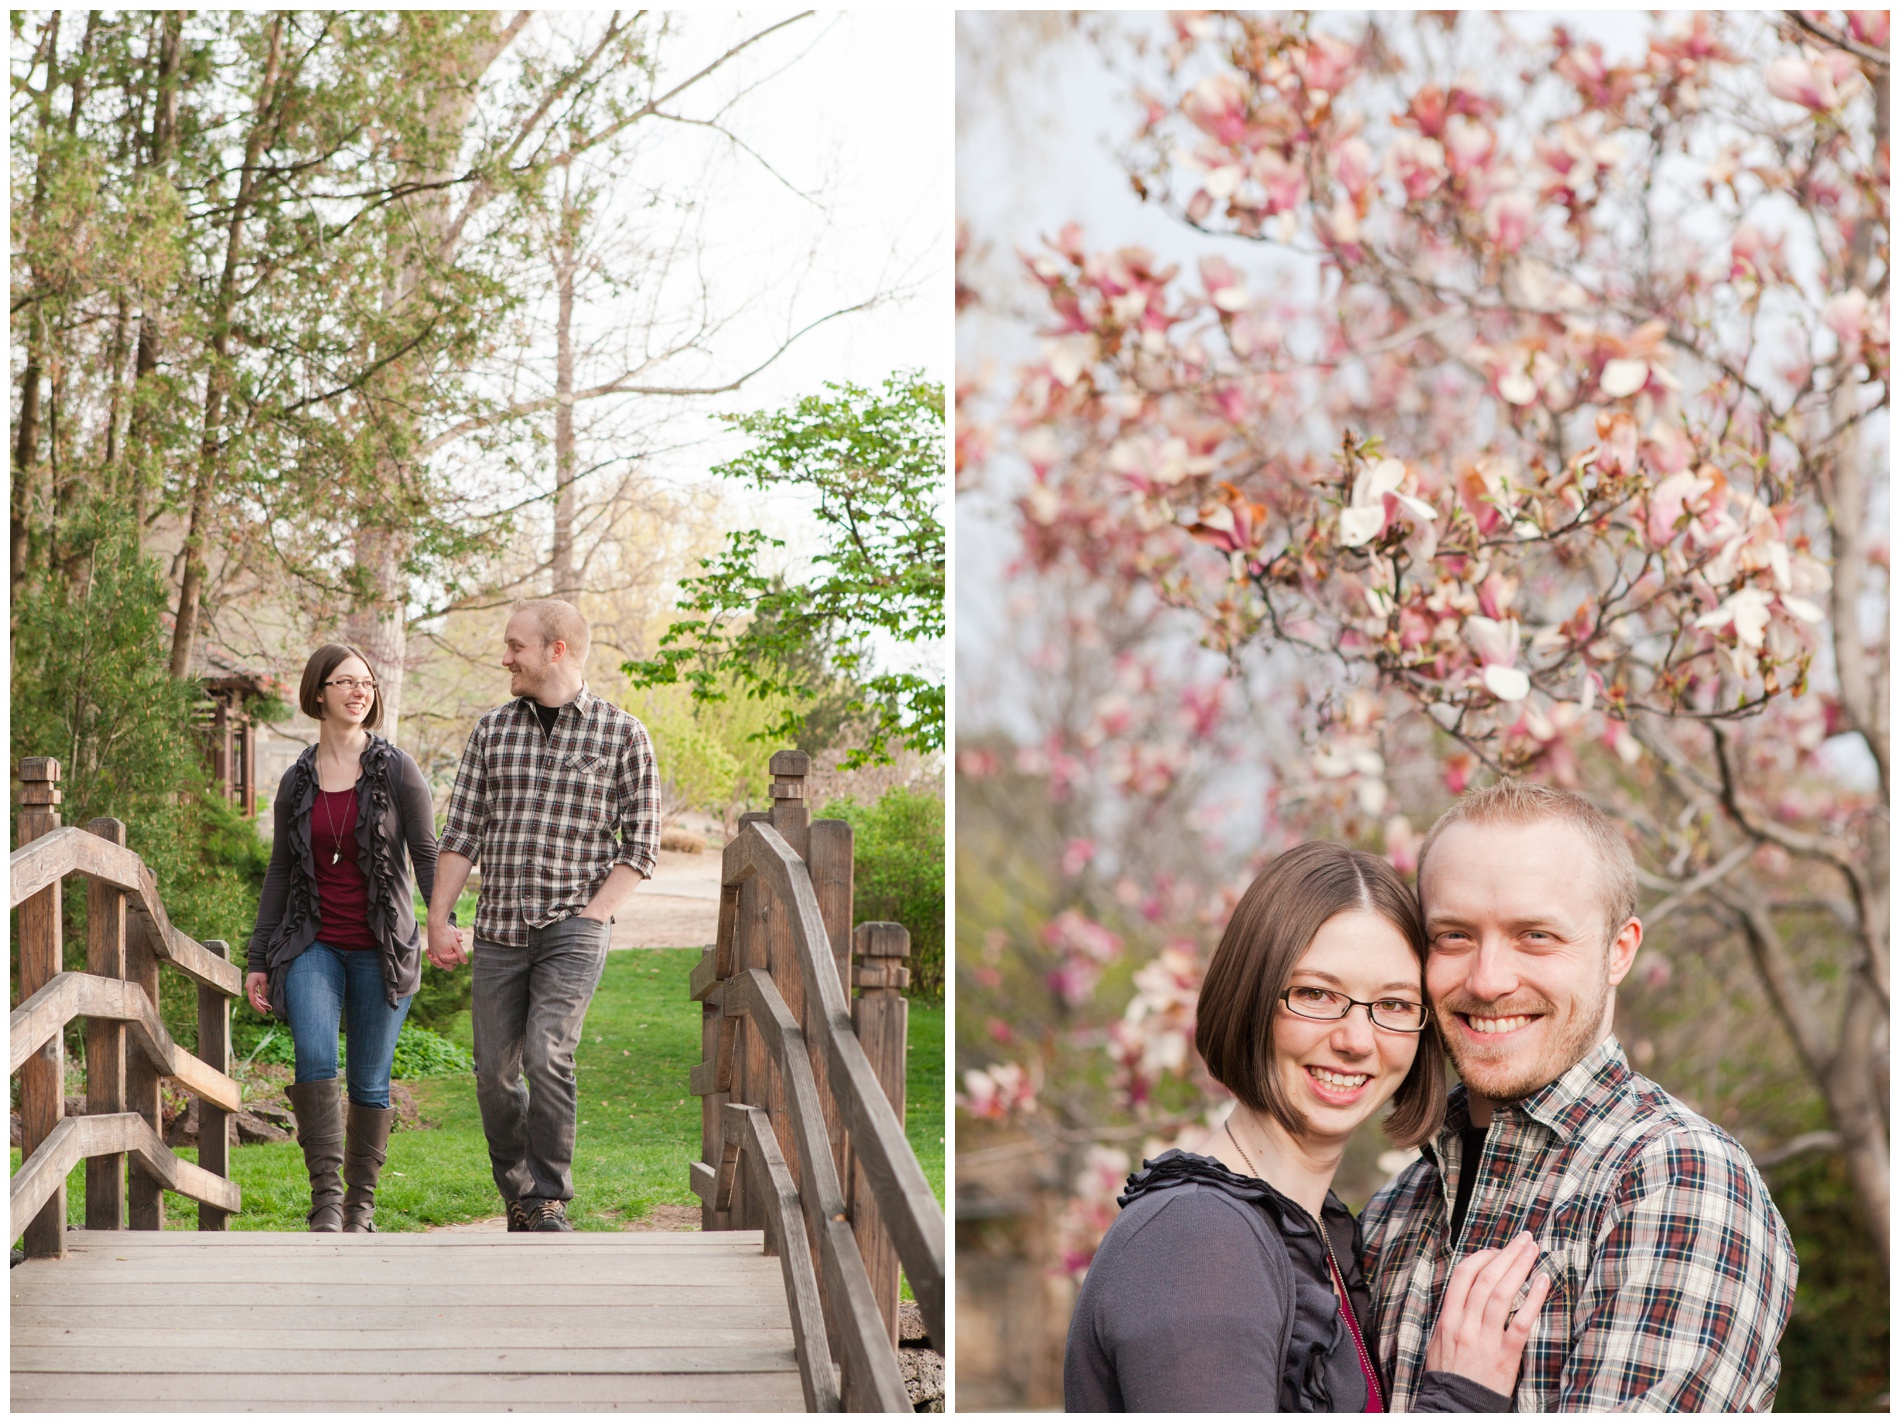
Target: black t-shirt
{"x":546,"y":715}
{"x":1473,"y":1138}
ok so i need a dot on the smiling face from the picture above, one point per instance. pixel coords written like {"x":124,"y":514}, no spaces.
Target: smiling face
{"x":1337,"y":1074}
{"x":346,"y":706}
{"x":528,"y":656}
{"x":1518,"y":971}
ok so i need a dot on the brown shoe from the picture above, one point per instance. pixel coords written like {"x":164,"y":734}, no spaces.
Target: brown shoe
{"x":546,"y":1215}
{"x":366,"y":1148}
{"x":319,"y":1110}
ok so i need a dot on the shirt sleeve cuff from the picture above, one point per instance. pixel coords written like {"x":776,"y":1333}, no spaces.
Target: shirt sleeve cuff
{"x":1454,"y":1393}
{"x":454,"y":842}
{"x":638,"y":857}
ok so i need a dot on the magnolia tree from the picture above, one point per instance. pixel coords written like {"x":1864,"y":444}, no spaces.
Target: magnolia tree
{"x":1537,"y":410}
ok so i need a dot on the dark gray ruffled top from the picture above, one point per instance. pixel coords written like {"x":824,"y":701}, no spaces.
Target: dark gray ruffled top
{"x":1211,"y":1292}
{"x":394,"y":813}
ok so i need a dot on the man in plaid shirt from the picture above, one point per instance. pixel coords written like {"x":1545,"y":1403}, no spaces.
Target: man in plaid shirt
{"x":545,"y":783}
{"x":1672,"y":1275}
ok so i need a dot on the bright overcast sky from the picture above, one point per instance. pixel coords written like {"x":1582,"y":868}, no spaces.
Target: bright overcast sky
{"x":854,"y":110}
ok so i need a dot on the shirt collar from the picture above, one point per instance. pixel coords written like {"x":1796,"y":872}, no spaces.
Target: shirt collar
{"x":583,"y":701}
{"x":1562,"y":1106}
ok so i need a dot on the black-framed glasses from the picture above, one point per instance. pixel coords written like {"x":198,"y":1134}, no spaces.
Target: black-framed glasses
{"x":353,"y":684}
{"x":1326,"y":1005}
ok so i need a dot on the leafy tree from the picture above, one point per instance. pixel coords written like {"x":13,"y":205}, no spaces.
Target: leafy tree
{"x":898,"y":850}
{"x":873,"y":461}
{"x":92,"y":688}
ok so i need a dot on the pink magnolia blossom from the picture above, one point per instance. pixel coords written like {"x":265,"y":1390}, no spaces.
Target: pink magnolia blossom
{"x":1507,"y":219}
{"x":1846,"y":316}
{"x":1218,"y":107}
{"x":1496,"y":644}
{"x":1798,"y":81}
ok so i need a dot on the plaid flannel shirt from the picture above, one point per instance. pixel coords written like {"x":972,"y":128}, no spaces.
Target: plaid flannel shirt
{"x":538,"y":812}
{"x":1673,"y":1275}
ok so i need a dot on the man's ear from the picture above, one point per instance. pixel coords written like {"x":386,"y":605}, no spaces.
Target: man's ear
{"x":1623,"y":950}
{"x":557,"y":650}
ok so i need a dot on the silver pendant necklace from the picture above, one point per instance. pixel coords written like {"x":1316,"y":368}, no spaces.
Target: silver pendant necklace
{"x":336,"y":836}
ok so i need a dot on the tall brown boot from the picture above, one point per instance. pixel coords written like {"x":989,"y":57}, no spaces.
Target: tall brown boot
{"x":319,"y":1109}
{"x":365,"y":1151}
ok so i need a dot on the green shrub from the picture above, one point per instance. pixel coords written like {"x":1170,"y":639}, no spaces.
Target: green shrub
{"x":92,"y":688}
{"x":899,"y":874}
{"x":1835,"y":1354}
{"x":419,"y":1052}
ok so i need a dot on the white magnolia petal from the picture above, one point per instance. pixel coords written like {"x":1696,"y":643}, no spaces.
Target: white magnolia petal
{"x":1625,"y":377}
{"x":1382,"y":479}
{"x":1360,"y":525}
{"x":1518,"y":388}
{"x":1802,"y":608}
{"x":1507,"y":684}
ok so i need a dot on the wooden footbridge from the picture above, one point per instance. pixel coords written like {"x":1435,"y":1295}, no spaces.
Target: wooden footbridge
{"x":786,"y":1300}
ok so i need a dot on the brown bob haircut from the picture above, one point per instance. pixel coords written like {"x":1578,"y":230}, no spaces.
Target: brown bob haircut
{"x":1273,"y":926}
{"x":317,"y":670}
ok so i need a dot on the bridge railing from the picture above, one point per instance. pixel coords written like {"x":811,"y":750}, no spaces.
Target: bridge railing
{"x":802,"y":1091}
{"x":128,"y":1050}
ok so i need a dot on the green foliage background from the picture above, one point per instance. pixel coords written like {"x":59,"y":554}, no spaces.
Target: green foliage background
{"x":91,"y":689}
{"x":899,"y":850}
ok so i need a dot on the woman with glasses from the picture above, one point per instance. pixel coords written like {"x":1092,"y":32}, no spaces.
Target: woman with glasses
{"x":1230,"y":1281}
{"x":336,"y":942}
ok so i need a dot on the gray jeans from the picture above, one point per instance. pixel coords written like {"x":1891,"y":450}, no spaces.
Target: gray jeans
{"x":527,"y":1015}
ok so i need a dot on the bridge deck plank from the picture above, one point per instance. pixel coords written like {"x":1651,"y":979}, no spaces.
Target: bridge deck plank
{"x":266,"y":1320}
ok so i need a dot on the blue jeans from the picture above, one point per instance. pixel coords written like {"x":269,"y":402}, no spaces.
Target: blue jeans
{"x":325,"y":986}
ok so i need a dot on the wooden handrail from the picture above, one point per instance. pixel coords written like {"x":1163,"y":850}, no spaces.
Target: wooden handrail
{"x":118,"y":996}
{"x":35,"y":866}
{"x":748,"y":1132}
{"x":81,"y":995}
{"x":808,"y":1092}
{"x":867,"y":1354}
{"x":906,"y":1202}
{"x":77,"y":1138}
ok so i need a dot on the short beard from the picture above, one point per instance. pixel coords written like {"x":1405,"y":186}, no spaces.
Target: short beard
{"x":1509,"y":1082}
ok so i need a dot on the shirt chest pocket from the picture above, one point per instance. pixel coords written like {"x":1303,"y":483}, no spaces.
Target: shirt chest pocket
{"x":587,"y":776}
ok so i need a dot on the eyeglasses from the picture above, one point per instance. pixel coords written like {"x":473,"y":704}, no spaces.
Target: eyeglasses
{"x":352,"y":684}
{"x":1398,"y":1015}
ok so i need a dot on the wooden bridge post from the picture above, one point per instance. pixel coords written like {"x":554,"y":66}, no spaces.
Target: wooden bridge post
{"x":43,"y":1075}
{"x":214,"y":1123}
{"x":881,"y":1015}
{"x":145,"y":1196}
{"x":105,"y":1037}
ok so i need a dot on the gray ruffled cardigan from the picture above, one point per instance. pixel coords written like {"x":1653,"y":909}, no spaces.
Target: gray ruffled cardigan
{"x":393,"y":809}
{"x":1211,"y":1293}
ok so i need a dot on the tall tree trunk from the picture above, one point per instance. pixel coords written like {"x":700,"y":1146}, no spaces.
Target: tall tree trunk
{"x":27,"y":436}
{"x":564,"y":581}
{"x":217,"y":380}
{"x":380,"y":624}
{"x":142,"y":466}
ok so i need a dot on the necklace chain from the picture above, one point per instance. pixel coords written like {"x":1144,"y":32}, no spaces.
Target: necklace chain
{"x":336,"y":835}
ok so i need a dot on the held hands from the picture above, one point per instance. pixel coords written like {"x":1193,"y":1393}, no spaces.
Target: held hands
{"x":1473,"y":1337}
{"x":446,"y":946}
{"x":257,"y":990}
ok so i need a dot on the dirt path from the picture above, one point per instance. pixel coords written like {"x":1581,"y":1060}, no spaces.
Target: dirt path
{"x":678,"y":909}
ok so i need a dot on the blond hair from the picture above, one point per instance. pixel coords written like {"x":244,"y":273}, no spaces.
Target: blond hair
{"x":1522,"y":802}
{"x":559,"y":621}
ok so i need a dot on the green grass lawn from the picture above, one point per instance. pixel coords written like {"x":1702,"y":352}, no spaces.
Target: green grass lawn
{"x":639,"y":1126}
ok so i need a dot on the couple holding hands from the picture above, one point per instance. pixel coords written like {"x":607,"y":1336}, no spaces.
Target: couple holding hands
{"x":557,"y":798}
{"x":1572,"y":1237}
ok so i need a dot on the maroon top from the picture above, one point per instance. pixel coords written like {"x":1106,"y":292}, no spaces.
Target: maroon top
{"x":1375,"y":1403}
{"x":342,"y":892}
